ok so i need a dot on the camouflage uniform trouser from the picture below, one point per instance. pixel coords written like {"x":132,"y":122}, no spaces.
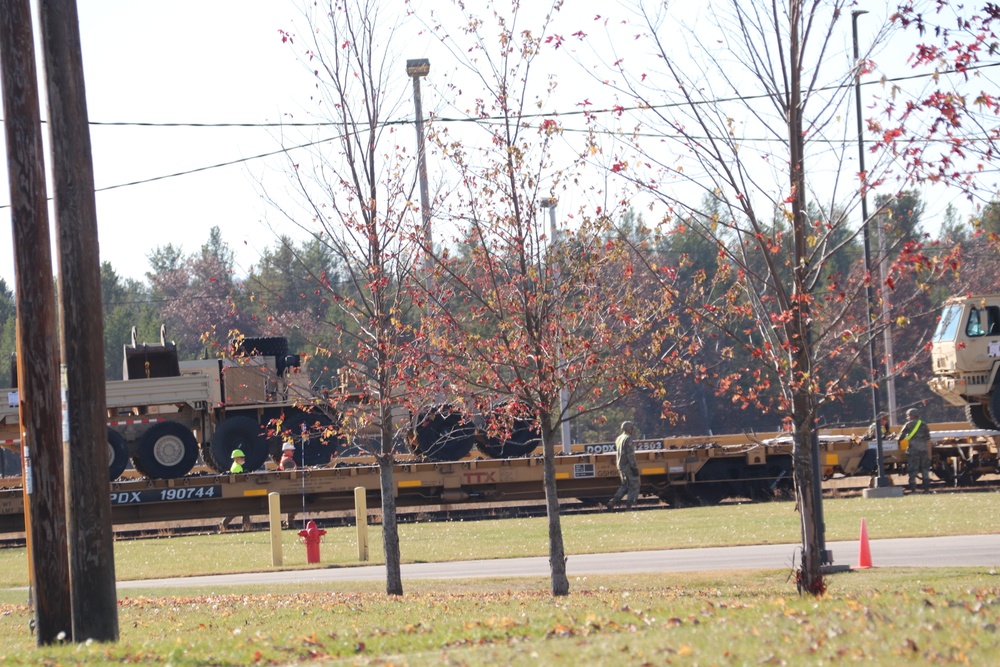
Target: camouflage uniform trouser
{"x":918,"y":461}
{"x":630,"y":484}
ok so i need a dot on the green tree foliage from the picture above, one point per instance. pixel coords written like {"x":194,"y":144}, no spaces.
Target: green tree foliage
{"x":987,"y":222}
{"x":954,"y":229}
{"x":900,"y":217}
{"x":692,"y":392}
{"x":290,"y":292}
{"x":126,"y":305}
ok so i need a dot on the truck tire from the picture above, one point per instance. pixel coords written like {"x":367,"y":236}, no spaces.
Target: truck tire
{"x":117,"y":454}
{"x":239,"y":433}
{"x":318,"y":447}
{"x":991,"y":408}
{"x":168,"y":450}
{"x":442,"y":433}
{"x":524,"y":439}
{"x":720,"y":479}
{"x":977,"y":416}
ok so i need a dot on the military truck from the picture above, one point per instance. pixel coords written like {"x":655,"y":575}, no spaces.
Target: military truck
{"x":165,"y":414}
{"x":965,"y":357}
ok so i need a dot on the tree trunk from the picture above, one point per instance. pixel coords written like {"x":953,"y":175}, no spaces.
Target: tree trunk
{"x":390,"y":529}
{"x":810,"y":575}
{"x":557,"y":551}
{"x":799,"y":328}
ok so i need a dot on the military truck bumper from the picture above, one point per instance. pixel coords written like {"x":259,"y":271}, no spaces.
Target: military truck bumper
{"x":950,"y":389}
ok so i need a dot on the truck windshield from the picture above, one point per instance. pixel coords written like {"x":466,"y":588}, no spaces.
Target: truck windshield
{"x":948,"y":325}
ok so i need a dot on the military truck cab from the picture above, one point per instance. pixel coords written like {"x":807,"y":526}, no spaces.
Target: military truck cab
{"x":965,"y":357}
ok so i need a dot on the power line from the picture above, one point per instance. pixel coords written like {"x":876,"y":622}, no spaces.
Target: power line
{"x":550,"y":114}
{"x":213,"y":166}
{"x":483,"y":120}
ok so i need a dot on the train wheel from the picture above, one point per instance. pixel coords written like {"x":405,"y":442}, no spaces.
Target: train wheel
{"x":961,"y":471}
{"x":117,"y":454}
{"x":168,"y":450}
{"x":777,"y":481}
{"x":708,"y":493}
{"x":976,"y":415}
{"x":239,"y":433}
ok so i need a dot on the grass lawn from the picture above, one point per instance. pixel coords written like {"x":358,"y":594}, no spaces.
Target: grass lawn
{"x":876,"y":617}
{"x":881,"y":616}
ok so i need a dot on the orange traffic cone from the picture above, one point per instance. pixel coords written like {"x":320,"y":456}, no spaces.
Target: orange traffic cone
{"x":864,"y":552}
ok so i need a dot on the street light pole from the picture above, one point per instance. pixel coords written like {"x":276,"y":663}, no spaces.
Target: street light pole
{"x":416,"y":69}
{"x":880,"y":480}
{"x":890,"y":365}
{"x":567,"y":446}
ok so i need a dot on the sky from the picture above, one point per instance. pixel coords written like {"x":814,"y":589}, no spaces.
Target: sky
{"x":201,"y":61}
{"x":216,"y":63}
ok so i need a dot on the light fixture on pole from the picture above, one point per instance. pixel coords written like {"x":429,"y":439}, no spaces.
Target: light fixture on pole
{"x":416,"y":69}
{"x":550,"y":203}
{"x":880,"y":480}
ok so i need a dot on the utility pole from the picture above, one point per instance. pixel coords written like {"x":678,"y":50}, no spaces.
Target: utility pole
{"x":880,"y":480}
{"x":90,"y":539}
{"x":567,"y":444}
{"x":417,"y":69}
{"x":890,"y":364}
{"x":38,"y":370}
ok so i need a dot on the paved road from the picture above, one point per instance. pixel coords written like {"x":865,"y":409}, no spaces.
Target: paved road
{"x":974,"y":550}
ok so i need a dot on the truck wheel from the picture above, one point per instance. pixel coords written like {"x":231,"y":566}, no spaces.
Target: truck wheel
{"x":975,"y":414}
{"x":168,"y":450}
{"x":239,"y":433}
{"x":442,"y":433}
{"x":316,"y":448}
{"x":117,"y":454}
{"x":524,"y":439}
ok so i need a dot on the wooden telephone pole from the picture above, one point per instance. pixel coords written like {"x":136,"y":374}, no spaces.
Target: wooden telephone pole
{"x":71,"y":508}
{"x":91,"y":546}
{"x":38,"y":352}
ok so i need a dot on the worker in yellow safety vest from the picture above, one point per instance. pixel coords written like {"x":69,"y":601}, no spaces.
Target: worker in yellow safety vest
{"x":915,"y":438}
{"x":238,"y":461}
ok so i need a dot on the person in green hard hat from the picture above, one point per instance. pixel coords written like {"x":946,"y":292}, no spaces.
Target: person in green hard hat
{"x":238,"y":460}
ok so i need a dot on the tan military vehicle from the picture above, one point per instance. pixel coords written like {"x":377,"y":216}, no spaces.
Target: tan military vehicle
{"x":965,"y":357}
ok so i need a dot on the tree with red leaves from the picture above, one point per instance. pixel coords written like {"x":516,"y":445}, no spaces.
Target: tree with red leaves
{"x":355,"y":199}
{"x":530,"y":323}
{"x":949,"y":131}
{"x":744,"y":108}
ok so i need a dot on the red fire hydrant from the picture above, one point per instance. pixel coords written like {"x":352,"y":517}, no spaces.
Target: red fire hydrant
{"x":310,"y":537}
